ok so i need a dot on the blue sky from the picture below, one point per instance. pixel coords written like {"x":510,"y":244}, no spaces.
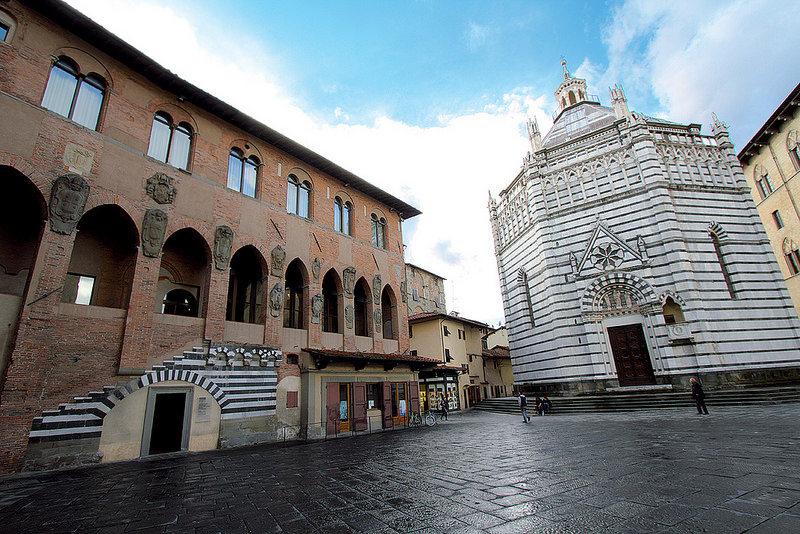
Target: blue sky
{"x":427,"y":99}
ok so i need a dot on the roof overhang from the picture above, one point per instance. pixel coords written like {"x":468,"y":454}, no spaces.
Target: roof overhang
{"x":784,"y":112}
{"x":360,"y":360}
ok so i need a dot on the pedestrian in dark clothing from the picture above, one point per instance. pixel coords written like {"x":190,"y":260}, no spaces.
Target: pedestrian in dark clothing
{"x":538,"y":404}
{"x":444,"y":408}
{"x":545,"y":405}
{"x":699,"y":397}
{"x":523,"y":405}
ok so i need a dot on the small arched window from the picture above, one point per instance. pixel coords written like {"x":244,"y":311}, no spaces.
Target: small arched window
{"x":790,"y":252}
{"x":242,"y":172}
{"x":378,"y":231}
{"x":169,"y":142}
{"x":298,"y":196}
{"x":793,"y":145}
{"x":571,"y":97}
{"x":74,"y":95}
{"x":763,"y":184}
{"x":726,"y":275}
{"x":672,"y":312}
{"x":342,"y":216}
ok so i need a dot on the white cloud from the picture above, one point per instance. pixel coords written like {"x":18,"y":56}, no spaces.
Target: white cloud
{"x":476,"y":35}
{"x":729,"y":57}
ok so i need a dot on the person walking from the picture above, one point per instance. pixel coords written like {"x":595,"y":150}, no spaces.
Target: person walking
{"x":699,"y":397}
{"x":444,"y":407}
{"x":523,"y":404}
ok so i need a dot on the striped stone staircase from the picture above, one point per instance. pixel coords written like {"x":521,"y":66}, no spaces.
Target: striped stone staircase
{"x":627,"y":402}
{"x":244,"y":385}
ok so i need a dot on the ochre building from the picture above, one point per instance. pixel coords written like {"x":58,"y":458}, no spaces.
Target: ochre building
{"x":771,"y":165}
{"x":176,"y":275}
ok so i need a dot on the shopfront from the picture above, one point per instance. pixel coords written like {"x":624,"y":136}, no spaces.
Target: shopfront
{"x":357,"y":392}
{"x":439,"y":385}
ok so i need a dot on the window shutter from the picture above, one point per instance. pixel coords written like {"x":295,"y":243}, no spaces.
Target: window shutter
{"x":386,"y":396}
{"x":332,"y":408}
{"x":413,"y":393}
{"x":360,"y":406}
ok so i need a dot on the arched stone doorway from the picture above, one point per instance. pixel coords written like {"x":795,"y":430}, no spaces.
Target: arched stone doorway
{"x":622,"y":303}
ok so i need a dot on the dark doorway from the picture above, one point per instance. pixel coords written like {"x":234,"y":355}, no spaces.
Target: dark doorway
{"x":167,"y":430}
{"x":630,"y":355}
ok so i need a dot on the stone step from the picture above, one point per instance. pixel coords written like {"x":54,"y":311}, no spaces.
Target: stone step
{"x":613,"y":402}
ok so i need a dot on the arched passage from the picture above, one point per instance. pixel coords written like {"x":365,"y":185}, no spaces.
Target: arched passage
{"x":246,"y":287}
{"x":100,"y":271}
{"x":184,"y":274}
{"x":332,"y":302}
{"x":362,"y":302}
{"x":21,"y":225}
{"x":294,"y":295}
{"x":389,"y":313}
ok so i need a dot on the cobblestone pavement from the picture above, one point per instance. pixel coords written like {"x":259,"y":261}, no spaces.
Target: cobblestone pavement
{"x":737,"y":470}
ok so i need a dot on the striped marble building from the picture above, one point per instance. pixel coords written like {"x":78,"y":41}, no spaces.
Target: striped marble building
{"x":630,"y":253}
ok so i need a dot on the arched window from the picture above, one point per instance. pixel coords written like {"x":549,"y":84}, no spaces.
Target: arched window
{"x":169,"y":142}
{"x":342,"y":216}
{"x":762,"y":181}
{"x":362,"y":304}
{"x":571,"y":97}
{"x":330,"y":309}
{"x":298,"y":196}
{"x":672,"y":312}
{"x":792,"y":144}
{"x":792,"y":256}
{"x":723,"y":265}
{"x":74,"y":95}
{"x":523,"y":282}
{"x":242,"y":172}
{"x":378,"y":231}
{"x":293,"y":297}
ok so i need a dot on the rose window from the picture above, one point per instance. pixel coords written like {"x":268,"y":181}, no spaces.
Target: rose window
{"x":606,"y":257}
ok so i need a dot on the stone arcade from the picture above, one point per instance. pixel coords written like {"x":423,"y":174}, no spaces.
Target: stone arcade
{"x":630,"y":254}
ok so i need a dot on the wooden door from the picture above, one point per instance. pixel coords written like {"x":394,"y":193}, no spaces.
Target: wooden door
{"x":630,"y":355}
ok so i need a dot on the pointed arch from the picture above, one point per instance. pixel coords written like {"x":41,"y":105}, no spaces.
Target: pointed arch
{"x":247,"y":286}
{"x":295,"y":295}
{"x":103,"y":258}
{"x":362,"y":303}
{"x":389,"y":313}
{"x":332,"y":302}
{"x":619,"y":293}
{"x":184,"y":275}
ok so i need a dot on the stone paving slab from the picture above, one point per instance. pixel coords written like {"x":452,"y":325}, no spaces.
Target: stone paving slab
{"x":737,"y":470}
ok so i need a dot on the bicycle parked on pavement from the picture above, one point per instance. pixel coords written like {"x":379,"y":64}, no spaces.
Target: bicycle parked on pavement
{"x":415,"y":419}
